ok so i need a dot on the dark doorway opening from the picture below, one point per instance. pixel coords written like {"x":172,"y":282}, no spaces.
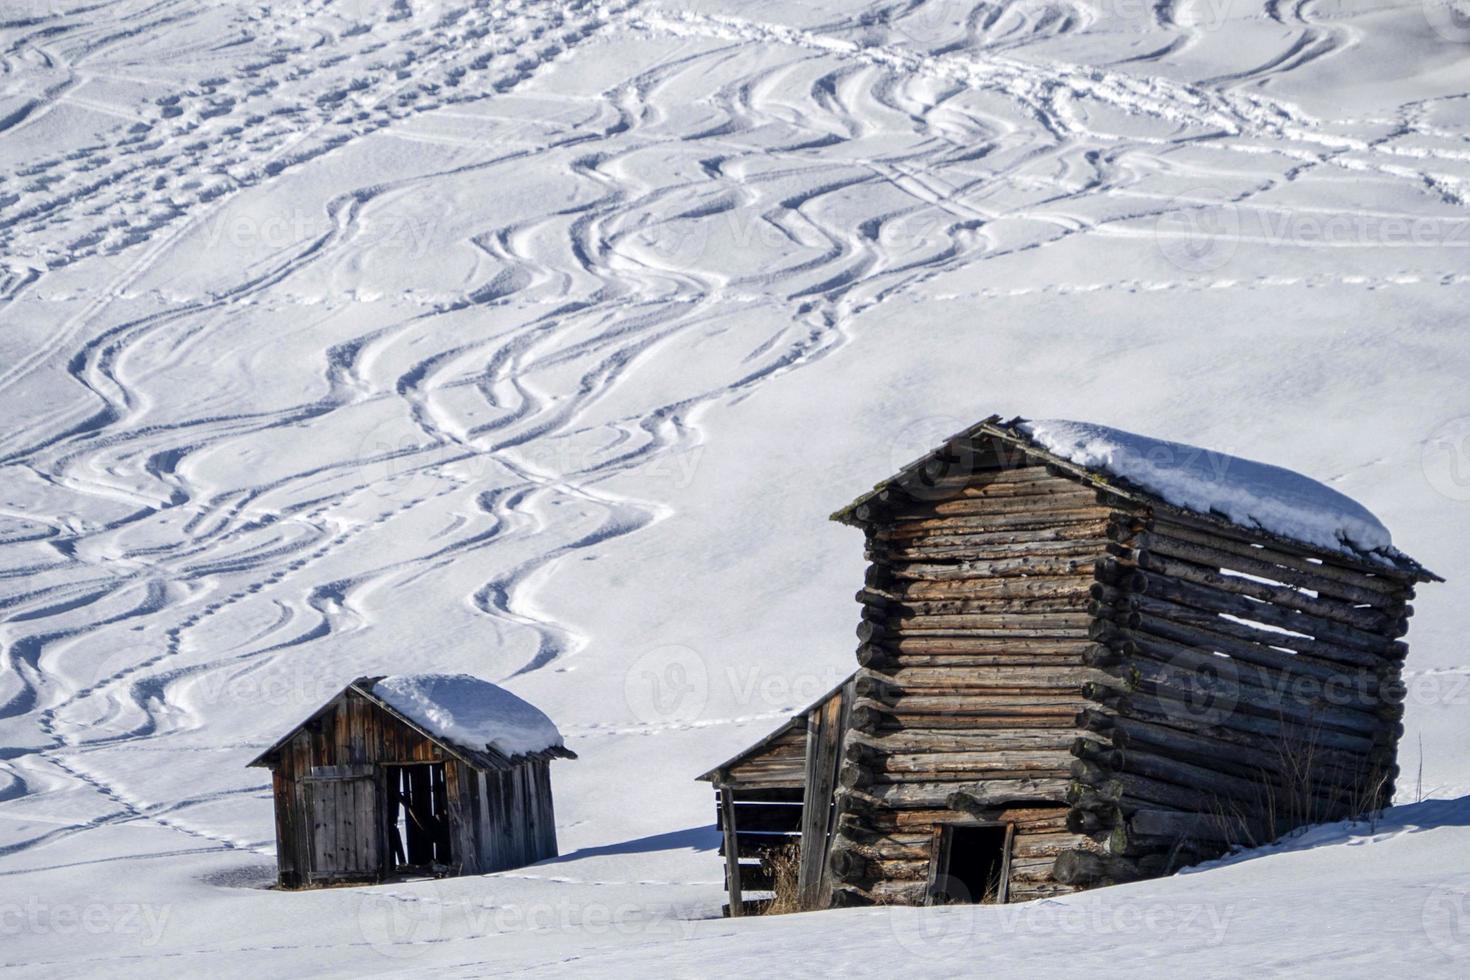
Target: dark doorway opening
{"x":972,"y":865}
{"x":418,"y":818}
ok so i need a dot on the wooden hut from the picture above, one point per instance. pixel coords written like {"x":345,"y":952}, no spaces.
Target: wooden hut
{"x":1089,"y":657}
{"x":777,"y":794}
{"x":439,"y":774}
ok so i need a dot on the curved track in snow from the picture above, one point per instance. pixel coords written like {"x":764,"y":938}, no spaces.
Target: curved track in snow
{"x":611,"y":257}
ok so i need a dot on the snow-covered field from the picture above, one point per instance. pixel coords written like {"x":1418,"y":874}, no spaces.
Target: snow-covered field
{"x":537,"y":340}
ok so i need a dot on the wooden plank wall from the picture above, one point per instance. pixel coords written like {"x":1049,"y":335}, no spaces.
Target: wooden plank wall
{"x":514,"y":821}
{"x":351,"y":732}
{"x":781,"y":765}
{"x":499,"y":819}
{"x":975,"y":623}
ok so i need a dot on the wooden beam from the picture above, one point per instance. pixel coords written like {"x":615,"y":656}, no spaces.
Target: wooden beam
{"x":732,"y":850}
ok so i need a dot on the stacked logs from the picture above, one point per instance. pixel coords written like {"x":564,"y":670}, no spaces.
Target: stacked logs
{"x":1262,"y":691}
{"x":1133,"y":687}
{"x":973,"y":647}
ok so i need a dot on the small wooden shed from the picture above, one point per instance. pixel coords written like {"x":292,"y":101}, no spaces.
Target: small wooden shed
{"x":1087,"y":657}
{"x":779,"y":793}
{"x":421,"y":774}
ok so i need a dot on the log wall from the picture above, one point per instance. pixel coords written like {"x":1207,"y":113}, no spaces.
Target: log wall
{"x":1132,"y":687}
{"x":1261,"y":692}
{"x":973,"y":645}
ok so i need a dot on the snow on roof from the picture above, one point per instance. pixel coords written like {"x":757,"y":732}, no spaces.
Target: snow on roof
{"x":470,"y":712}
{"x":1250,"y":494}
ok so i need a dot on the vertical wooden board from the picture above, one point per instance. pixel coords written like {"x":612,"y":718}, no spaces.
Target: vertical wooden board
{"x":814,"y":800}
{"x":281,"y":797}
{"x":548,"y":813}
{"x":323,"y":832}
{"x":367,"y":825}
{"x":460,"y":840}
{"x":344,"y":801}
{"x":517,"y":803}
{"x":732,"y":851}
{"x":824,"y":743}
{"x":486,"y":831}
{"x":1004,"y":891}
{"x":302,"y":830}
{"x":494,"y":824}
{"x":382,"y":817}
{"x":938,"y":860}
{"x":844,"y":716}
{"x":356,"y":733}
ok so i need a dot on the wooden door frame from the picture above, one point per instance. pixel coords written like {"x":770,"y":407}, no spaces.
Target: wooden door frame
{"x":941,"y":841}
{"x":385,"y":849}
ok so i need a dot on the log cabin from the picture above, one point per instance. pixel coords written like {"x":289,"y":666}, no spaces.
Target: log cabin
{"x":417,"y":774}
{"x":1089,"y":657}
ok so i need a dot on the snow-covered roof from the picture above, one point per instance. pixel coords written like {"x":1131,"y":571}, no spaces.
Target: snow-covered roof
{"x":480,"y":722}
{"x":1266,"y":499}
{"x":470,"y":713}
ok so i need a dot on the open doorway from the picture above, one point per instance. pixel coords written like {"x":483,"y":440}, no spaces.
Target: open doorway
{"x":418,"y":818}
{"x":970,"y":865}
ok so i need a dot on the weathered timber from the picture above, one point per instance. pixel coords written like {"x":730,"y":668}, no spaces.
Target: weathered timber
{"x":342,"y":778}
{"x":1360,"y":591}
{"x":1019,"y":622}
{"x":1342,"y":566}
{"x":1078,"y":867}
{"x":1368,"y":620}
{"x":1024,"y":613}
{"x":901,"y":645}
{"x":1025,"y":565}
{"x":1188,"y":714}
{"x":1157,"y":665}
{"x":1311,"y":650}
{"x":1266,"y":613}
{"x":1093,"y":783}
{"x":990,"y":792}
{"x":958,"y":679}
{"x":1212,"y":827}
{"x":888,"y":742}
{"x":1237,"y":753}
{"x":1264,"y":784}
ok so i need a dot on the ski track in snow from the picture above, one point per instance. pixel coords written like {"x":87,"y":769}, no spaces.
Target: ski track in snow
{"x":306,"y":86}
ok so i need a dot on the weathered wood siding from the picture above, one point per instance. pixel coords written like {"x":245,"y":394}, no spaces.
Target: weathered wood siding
{"x":510,"y":821}
{"x":330,"y":789}
{"x":782,"y":764}
{"x":826,"y":727}
{"x":974,"y":629}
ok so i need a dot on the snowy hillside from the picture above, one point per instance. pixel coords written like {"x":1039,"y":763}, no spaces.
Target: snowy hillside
{"x":537,"y":341}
